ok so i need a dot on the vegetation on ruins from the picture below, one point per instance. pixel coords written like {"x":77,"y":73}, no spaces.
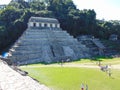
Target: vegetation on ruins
{"x":14,"y":18}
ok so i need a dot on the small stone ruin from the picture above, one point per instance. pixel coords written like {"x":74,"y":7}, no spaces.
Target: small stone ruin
{"x":94,"y":44}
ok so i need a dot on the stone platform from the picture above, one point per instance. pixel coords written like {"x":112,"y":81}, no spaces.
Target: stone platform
{"x":45,"y":41}
{"x":44,"y":45}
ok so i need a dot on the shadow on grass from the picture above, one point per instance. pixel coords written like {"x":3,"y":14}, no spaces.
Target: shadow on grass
{"x":100,"y":58}
{"x":97,"y":58}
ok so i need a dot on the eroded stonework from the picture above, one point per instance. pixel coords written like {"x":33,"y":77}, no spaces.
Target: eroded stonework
{"x":45,"y":41}
{"x":12,"y":80}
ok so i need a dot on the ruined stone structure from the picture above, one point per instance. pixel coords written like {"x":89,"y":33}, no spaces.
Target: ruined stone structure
{"x":95,"y":45}
{"x":43,"y":23}
{"x":45,"y":41}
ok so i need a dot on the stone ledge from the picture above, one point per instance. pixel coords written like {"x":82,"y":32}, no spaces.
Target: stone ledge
{"x":12,"y":80}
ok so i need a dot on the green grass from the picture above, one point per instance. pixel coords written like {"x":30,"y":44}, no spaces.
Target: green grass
{"x":70,"y":78}
{"x":103,"y":60}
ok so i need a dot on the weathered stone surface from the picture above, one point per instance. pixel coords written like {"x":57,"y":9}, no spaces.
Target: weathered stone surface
{"x":12,"y":80}
{"x":69,"y":52}
{"x":47,"y":45}
{"x":95,"y":45}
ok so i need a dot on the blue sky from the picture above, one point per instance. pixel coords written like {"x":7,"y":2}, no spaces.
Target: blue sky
{"x":105,"y":9}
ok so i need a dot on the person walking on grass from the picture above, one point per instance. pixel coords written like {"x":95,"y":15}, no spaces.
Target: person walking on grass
{"x":82,"y":86}
{"x":86,"y":87}
{"x":109,"y":70}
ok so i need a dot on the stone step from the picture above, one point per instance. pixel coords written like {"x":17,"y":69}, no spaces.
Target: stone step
{"x":45,"y":54}
{"x":38,"y":30}
{"x":24,"y":52}
{"x":40,"y":44}
{"x":36,"y":48}
{"x":19,"y":58}
{"x":46,"y":36}
{"x":45,"y":30}
{"x":50,"y":39}
{"x":30,"y":61}
{"x":27,"y":48}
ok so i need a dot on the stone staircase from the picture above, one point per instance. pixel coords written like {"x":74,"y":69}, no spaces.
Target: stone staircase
{"x":44,"y":45}
{"x":95,"y":45}
{"x":112,"y":48}
{"x":93,"y":48}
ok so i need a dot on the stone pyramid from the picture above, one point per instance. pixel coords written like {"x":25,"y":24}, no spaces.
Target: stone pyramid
{"x":45,"y":41}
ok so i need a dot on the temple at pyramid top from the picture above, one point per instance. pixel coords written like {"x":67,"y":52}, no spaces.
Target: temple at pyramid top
{"x":45,"y":41}
{"x":40,"y":22}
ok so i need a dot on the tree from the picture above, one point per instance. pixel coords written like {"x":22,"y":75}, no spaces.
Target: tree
{"x":9,"y":15}
{"x":37,"y":5}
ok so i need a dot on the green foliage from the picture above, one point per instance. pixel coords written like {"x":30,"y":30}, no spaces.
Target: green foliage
{"x":9,"y":15}
{"x":106,"y":28}
{"x":14,"y":18}
{"x":21,"y":4}
{"x":37,"y":5}
{"x":2,"y":28}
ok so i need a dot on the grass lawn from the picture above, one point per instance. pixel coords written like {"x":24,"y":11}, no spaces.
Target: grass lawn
{"x":104,"y":61}
{"x":70,"y":78}
{"x":111,"y":61}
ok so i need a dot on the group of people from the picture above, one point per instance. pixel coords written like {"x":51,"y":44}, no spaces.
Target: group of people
{"x":84,"y":87}
{"x":107,"y":69}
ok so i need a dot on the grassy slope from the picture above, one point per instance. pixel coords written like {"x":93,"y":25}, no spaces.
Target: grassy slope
{"x":64,"y":78}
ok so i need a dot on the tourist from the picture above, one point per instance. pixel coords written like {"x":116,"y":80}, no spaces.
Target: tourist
{"x":109,"y":73}
{"x":109,"y":70}
{"x":109,"y":67}
{"x":82,"y":86}
{"x":68,"y":60}
{"x":99,"y":63}
{"x":86,"y":87}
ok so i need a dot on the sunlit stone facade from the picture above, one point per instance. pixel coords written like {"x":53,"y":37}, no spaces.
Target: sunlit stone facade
{"x":40,"y":22}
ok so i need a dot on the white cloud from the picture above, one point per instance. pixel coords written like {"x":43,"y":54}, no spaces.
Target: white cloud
{"x":106,"y":9}
{"x":4,"y":1}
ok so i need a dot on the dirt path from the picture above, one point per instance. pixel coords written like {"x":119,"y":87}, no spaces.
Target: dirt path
{"x":74,"y":65}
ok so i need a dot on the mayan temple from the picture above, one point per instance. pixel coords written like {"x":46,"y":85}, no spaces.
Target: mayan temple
{"x":45,"y":41}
